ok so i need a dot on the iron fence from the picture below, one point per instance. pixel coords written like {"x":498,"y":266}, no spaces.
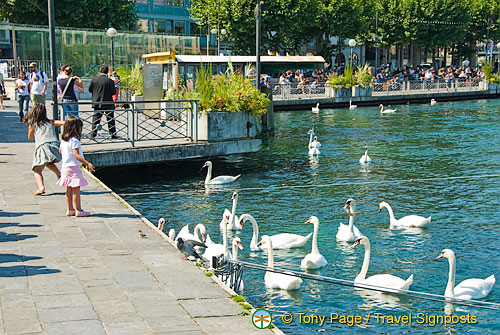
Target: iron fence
{"x":133,"y":121}
{"x":296,"y":91}
{"x":428,"y":86}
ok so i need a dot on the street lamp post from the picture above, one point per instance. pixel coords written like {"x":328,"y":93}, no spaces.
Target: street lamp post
{"x":111,"y":33}
{"x":352,"y":44}
{"x":498,"y":58}
{"x":218,"y":35}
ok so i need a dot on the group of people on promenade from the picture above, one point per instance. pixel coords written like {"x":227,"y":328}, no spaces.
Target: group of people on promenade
{"x":49,"y":150}
{"x":32,"y":86}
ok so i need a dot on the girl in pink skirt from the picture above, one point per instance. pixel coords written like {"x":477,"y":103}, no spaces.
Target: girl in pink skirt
{"x":72,"y":158}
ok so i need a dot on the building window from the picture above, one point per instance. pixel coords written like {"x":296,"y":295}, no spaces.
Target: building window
{"x":178,"y":3}
{"x":143,"y":25}
{"x":180,"y":27}
{"x":169,"y":29}
{"x":159,"y":26}
{"x":194,"y":29}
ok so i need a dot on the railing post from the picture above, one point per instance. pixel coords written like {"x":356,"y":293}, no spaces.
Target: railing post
{"x":132,"y":104}
{"x":195,"y":107}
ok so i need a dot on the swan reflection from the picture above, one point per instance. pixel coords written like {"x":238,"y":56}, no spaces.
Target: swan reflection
{"x":377,"y":299}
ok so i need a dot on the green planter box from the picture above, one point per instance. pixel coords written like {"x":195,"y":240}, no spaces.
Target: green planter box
{"x":221,"y":126}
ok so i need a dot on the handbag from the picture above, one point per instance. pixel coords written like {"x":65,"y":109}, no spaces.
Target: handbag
{"x":65,"y":89}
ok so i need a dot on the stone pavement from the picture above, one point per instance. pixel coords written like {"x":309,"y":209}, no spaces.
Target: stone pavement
{"x":95,"y":275}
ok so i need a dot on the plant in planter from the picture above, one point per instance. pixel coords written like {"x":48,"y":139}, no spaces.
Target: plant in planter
{"x":131,"y":78}
{"x":228,"y":102}
{"x":363,"y":80}
{"x":341,"y":85}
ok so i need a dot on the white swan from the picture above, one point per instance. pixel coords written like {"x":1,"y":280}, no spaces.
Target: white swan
{"x":365,"y":159}
{"x":407,"y":221}
{"x":277,"y":280}
{"x":314,"y":148}
{"x":392,"y":283}
{"x":468,"y":289}
{"x":349,"y":233}
{"x":217,"y":180}
{"x":161,"y":223}
{"x":214,"y":249}
{"x":280,"y":241}
{"x":315,"y":109}
{"x":351,"y":106}
{"x":433,"y":102}
{"x":186,"y":235}
{"x":314,"y":260}
{"x":230,"y":219}
{"x":237,"y":244}
{"x":311,"y":136}
{"x":171,"y":234}
{"x":385,"y":111}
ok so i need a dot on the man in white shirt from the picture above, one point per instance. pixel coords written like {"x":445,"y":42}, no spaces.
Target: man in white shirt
{"x":38,"y":84}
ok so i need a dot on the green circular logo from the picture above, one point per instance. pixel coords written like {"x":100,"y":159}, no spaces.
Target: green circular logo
{"x":262,"y":319}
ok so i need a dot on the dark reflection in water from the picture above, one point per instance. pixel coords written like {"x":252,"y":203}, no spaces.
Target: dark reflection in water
{"x":419,"y":141}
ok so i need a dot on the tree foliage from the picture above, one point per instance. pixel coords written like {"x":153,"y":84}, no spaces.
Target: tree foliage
{"x":96,"y":14}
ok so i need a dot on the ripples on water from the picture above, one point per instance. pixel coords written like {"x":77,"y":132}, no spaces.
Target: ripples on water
{"x":419,"y":141}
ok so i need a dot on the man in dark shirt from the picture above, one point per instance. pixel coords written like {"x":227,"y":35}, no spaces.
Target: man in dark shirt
{"x":102,"y":89}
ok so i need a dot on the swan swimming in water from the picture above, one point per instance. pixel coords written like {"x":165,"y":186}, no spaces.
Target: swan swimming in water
{"x":391,"y":283}
{"x":349,"y":233}
{"x":314,"y":260}
{"x":311,"y":136}
{"x":280,"y":241}
{"x":351,"y":106}
{"x":314,"y":148}
{"x":365,"y":159}
{"x":433,"y":102}
{"x":217,"y":180}
{"x":468,"y":289}
{"x":386,"y":111}
{"x":315,"y":109}
{"x":406,"y":221}
{"x":230,"y":219}
{"x":277,"y":280}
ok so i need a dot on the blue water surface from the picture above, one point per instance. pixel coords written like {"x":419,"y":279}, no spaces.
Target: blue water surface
{"x":420,"y":142}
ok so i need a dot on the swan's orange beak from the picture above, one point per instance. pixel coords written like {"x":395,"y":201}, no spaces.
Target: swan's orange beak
{"x":308,"y":221}
{"x":356,"y":243}
{"x":380,"y":209}
{"x":346,"y":205}
{"x":440,"y":256}
{"x":241,"y":224}
{"x":241,"y":246}
{"x":203,"y":237}
{"x":260,"y":243}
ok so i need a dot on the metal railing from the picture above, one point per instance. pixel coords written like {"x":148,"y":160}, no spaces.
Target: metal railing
{"x":428,"y":86}
{"x":133,"y":121}
{"x":296,"y":91}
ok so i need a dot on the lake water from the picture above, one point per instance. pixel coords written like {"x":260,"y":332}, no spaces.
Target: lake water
{"x":418,"y":142}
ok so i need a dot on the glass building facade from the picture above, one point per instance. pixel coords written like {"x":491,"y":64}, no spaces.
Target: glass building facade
{"x":86,"y":50}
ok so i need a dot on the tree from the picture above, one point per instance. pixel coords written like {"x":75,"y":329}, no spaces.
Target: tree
{"x":69,"y":13}
{"x":286,"y":24}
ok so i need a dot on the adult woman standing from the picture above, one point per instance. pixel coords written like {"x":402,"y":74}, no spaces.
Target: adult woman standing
{"x":23,"y":94}
{"x":65,"y":83}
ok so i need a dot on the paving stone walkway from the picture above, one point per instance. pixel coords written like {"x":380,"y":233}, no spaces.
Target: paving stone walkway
{"x":95,"y":275}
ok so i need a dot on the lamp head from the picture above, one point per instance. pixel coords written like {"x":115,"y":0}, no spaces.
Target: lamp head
{"x":214,"y":31}
{"x":352,"y":42}
{"x":111,"y":32}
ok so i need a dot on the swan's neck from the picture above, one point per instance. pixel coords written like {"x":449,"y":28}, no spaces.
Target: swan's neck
{"x":209,"y":174}
{"x":391,"y":213}
{"x":233,"y":212}
{"x":235,"y":252}
{"x":451,"y":278}
{"x":196,"y":232}
{"x":255,"y":236}
{"x":224,"y":238}
{"x":310,"y":139}
{"x":270,"y":256}
{"x":366,"y":263}
{"x":314,"y":249}
{"x":351,"y":223}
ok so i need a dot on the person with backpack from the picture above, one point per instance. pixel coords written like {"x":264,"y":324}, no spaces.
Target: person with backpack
{"x":38,"y":84}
